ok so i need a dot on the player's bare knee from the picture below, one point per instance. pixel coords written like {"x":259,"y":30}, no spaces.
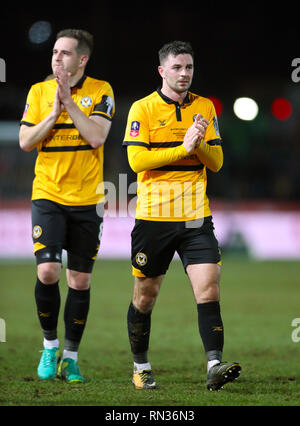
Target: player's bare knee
{"x":145,"y":293}
{"x":78,"y":280}
{"x":49,"y":273}
{"x":208,"y":293}
{"x":79,"y":285}
{"x":145,"y":303}
{"x":145,"y":299}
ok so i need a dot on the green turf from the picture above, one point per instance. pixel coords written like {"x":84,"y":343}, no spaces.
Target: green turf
{"x":259,"y":301}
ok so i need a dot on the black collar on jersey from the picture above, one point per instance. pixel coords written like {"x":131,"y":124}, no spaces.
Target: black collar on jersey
{"x":177,"y":104}
{"x":170,"y":101}
{"x":79,"y":83}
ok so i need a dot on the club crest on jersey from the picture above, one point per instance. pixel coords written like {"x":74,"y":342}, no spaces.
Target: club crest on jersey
{"x":36,"y":231}
{"x":86,"y":101}
{"x":141,"y":259}
{"x":194,"y":116}
{"x":135,"y":128}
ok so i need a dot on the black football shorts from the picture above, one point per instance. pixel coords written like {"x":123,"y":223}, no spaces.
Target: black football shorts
{"x":155,"y":243}
{"x":76,"y":229}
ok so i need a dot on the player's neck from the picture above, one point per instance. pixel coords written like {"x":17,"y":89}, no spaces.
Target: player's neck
{"x":75,"y":78}
{"x":172,"y":94}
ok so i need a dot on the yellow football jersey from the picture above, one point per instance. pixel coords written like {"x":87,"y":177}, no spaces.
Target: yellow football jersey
{"x":68,"y":170}
{"x":176,"y":191}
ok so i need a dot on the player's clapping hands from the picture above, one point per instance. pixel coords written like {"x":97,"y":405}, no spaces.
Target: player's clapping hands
{"x":195,"y":133}
{"x":63,"y":83}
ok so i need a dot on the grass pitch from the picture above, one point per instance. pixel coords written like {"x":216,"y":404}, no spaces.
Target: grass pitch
{"x":259,"y":300}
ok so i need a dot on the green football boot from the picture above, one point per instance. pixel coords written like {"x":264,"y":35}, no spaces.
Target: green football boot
{"x":48,"y":364}
{"x":68,"y":370}
{"x":222,"y":373}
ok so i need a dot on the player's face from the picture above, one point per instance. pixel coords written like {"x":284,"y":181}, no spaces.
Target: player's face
{"x":65,"y":55}
{"x":177,"y":72}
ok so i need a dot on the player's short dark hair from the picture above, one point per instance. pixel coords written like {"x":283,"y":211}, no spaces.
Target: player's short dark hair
{"x":175,"y":48}
{"x":84,"y":38}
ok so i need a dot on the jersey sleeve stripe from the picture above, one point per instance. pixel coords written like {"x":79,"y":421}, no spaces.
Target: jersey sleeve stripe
{"x":26,"y":123}
{"x":101,"y":114}
{"x":165,"y":144}
{"x":188,"y":168}
{"x":136,"y":143}
{"x":214,"y":142}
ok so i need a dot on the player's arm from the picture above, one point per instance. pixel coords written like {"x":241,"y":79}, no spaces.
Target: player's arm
{"x":31,"y":134}
{"x":141,"y":159}
{"x":209,"y":151}
{"x":210,"y":155}
{"x":93,"y":129}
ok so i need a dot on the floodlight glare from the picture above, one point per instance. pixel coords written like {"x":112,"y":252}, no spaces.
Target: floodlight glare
{"x":281,"y":108}
{"x":39,"y":32}
{"x":245,"y":108}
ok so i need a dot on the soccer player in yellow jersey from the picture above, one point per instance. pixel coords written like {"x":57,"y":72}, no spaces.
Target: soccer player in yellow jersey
{"x":172,"y":136}
{"x":67,"y":119}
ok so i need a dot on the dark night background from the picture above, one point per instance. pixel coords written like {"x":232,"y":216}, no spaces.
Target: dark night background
{"x":240,"y":50}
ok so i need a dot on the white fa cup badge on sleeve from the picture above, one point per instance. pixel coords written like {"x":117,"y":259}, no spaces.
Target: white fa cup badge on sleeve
{"x":2,"y":331}
{"x":2,"y":70}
